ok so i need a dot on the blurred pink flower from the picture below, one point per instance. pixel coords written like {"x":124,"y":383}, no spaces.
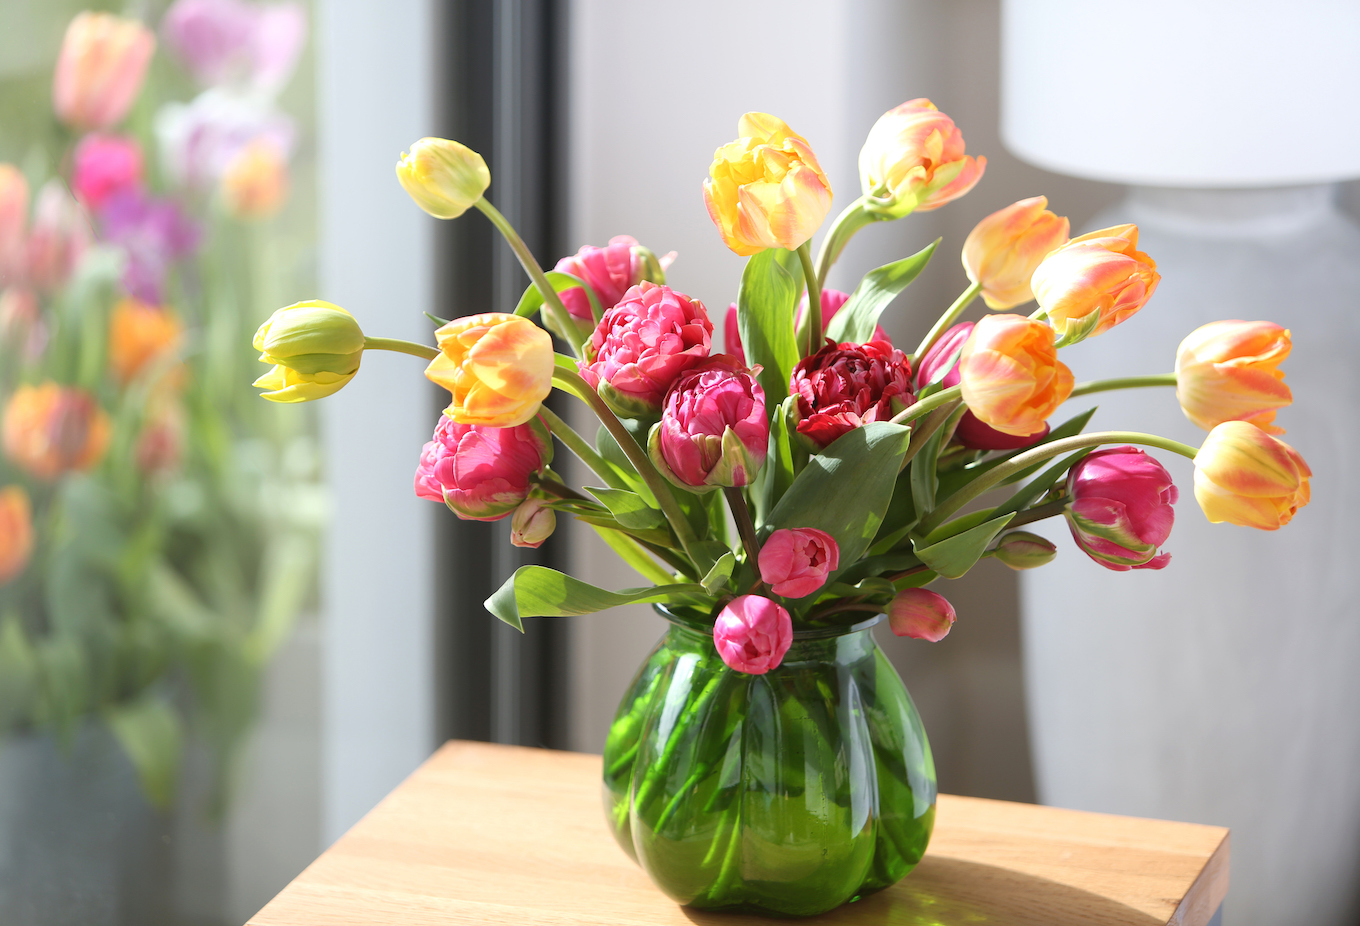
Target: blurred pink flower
{"x":1121,"y":511}
{"x":713,"y":430}
{"x":153,"y":233}
{"x":104,"y":165}
{"x":200,"y":140}
{"x":233,"y":42}
{"x":795,"y":561}
{"x":921,"y":614}
{"x":21,"y":323}
{"x":752,"y":634}
{"x":13,"y":222}
{"x":100,"y":69}
{"x":481,"y":473}
{"x":60,"y":234}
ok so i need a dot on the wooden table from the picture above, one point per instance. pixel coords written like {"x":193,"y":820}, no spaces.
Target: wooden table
{"x":501,"y":834}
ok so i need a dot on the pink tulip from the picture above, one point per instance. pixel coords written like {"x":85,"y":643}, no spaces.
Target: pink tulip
{"x":752,"y":634}
{"x":482,"y":473}
{"x":13,"y":222}
{"x":795,"y":561}
{"x":609,"y":271}
{"x":713,"y":430}
{"x":845,"y":386}
{"x":234,"y":42}
{"x":100,"y":69}
{"x":103,"y":166}
{"x":921,"y":614}
{"x":832,"y":300}
{"x":59,"y":236}
{"x":532,"y":523}
{"x":642,"y":345}
{"x":1121,"y":511}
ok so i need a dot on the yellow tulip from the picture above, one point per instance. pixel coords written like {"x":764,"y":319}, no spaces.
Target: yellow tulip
{"x":443,"y":177}
{"x":498,"y":367}
{"x":1229,"y":371}
{"x":766,"y":189}
{"x":1094,"y":282}
{"x":1246,"y":477}
{"x":316,"y":348}
{"x":1003,"y":250}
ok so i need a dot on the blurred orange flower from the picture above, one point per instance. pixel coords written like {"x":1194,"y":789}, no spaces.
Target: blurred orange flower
{"x":255,"y":182}
{"x":138,"y":334}
{"x":100,"y":69}
{"x":16,"y":532}
{"x":51,"y":429}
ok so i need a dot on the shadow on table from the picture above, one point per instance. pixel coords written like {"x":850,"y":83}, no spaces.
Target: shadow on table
{"x":953,"y":892}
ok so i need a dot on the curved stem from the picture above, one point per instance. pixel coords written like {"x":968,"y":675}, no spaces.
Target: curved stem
{"x":847,"y":223}
{"x":1123,"y":382}
{"x":401,"y":347}
{"x":813,"y":319}
{"x":561,"y":317}
{"x":1019,"y":462}
{"x":563,"y":491}
{"x":1039,"y":512}
{"x":912,"y":412}
{"x":578,"y":445}
{"x":950,"y":316}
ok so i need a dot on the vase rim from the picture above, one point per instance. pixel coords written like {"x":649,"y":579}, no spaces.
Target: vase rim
{"x":816,"y":633}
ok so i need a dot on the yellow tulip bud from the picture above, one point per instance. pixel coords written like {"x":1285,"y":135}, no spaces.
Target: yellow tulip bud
{"x":1246,"y":477}
{"x":443,"y":177}
{"x":315,"y":347}
{"x":498,"y":367}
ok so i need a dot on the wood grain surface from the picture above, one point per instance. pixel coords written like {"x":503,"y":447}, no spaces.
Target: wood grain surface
{"x":506,"y":835}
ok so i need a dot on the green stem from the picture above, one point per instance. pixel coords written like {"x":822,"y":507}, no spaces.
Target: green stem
{"x":920,"y":435}
{"x":742,"y":515}
{"x":1019,"y":462}
{"x":572,"y":382}
{"x":912,"y":412}
{"x":1123,"y":382}
{"x":813,"y":318}
{"x":563,"y":491}
{"x":842,"y":230}
{"x":402,"y":347}
{"x":561,"y":317}
{"x":950,"y":316}
{"x":1039,"y":512}
{"x":578,"y":445}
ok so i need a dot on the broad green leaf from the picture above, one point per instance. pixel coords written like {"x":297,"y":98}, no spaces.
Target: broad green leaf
{"x":537,"y":591}
{"x":765,"y":308}
{"x":634,"y":556}
{"x":149,"y":732}
{"x":720,"y":573}
{"x":628,"y":508}
{"x":18,"y":673}
{"x":857,"y":318}
{"x":777,"y":474}
{"x":953,"y":557}
{"x":532,"y":300}
{"x":845,"y":489}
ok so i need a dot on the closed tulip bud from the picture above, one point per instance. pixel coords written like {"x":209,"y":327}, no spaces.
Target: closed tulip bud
{"x":1229,"y":371}
{"x":139,"y":334}
{"x":766,"y":189}
{"x":255,"y":181}
{"x":1121,"y":513}
{"x":497,"y":367}
{"x":13,"y":223}
{"x":482,"y":473}
{"x":913,"y":161}
{"x":443,"y":177}
{"x":1094,"y":282}
{"x":845,"y":386}
{"x":532,"y":523}
{"x":100,"y":69}
{"x":16,"y":532}
{"x":795,"y":561}
{"x":103,"y":166}
{"x":921,"y":614}
{"x":752,"y":634}
{"x":50,"y":430}
{"x":1246,"y":477}
{"x":1010,"y":374}
{"x":713,"y":430}
{"x":1023,"y":550}
{"x":316,"y":348}
{"x":1002,"y":251}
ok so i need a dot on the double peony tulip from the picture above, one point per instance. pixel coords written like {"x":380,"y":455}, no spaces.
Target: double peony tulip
{"x":610,"y":271}
{"x":1094,"y":282}
{"x":844,"y":386}
{"x":752,"y":634}
{"x":1002,"y":251}
{"x":713,"y":430}
{"x":921,"y":614}
{"x":51,"y":429}
{"x":139,"y":334}
{"x":444,"y":177}
{"x":1120,"y":510}
{"x":16,"y":532}
{"x":498,"y":368}
{"x":766,"y":189}
{"x":1229,"y":371}
{"x":100,"y":69}
{"x":315,"y":348}
{"x":482,"y":473}
{"x":913,"y":161}
{"x":1010,"y":374}
{"x":642,"y":345}
{"x":795,"y":561}
{"x":1248,"y":478}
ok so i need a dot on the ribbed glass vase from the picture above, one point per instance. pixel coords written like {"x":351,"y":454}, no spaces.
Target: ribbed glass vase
{"x":788,"y":793}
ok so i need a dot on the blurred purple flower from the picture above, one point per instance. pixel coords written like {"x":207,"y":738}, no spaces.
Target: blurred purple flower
{"x":153,"y":233}
{"x":199,"y":139}
{"x":235,"y":42}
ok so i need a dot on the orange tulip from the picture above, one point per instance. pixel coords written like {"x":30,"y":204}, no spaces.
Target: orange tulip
{"x":51,"y":429}
{"x":499,"y":368}
{"x":1003,"y":250}
{"x":1246,"y":477}
{"x":1094,"y":282}
{"x":255,"y":182}
{"x":766,"y":189}
{"x":913,"y":161}
{"x":16,"y":532}
{"x":100,"y":69}
{"x":1010,"y":374}
{"x":13,"y":222}
{"x":138,"y":334}
{"x":1229,"y":371}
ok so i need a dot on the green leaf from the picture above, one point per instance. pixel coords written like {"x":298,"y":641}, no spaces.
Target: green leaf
{"x":845,"y":489}
{"x":289,"y":563}
{"x":954,"y":556}
{"x":634,"y":556}
{"x":537,"y":591}
{"x":149,"y":732}
{"x":765,"y":307}
{"x":1036,"y":487}
{"x":1078,"y":329}
{"x":18,"y":673}
{"x":857,"y":318}
{"x":720,"y":573}
{"x":532,"y":300}
{"x":629,"y":508}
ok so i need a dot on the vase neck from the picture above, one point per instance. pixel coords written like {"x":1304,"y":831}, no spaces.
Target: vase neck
{"x":1241,"y":213}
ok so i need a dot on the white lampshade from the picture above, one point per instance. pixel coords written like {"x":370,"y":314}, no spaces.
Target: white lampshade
{"x":1209,"y":93}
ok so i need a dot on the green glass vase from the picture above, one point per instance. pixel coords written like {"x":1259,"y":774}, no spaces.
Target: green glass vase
{"x":788,"y":793}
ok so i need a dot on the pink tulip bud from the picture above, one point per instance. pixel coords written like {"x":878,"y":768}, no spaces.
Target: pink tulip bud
{"x":642,"y":345}
{"x":832,"y":300}
{"x":1121,"y":511}
{"x":752,"y":634}
{"x":795,"y":562}
{"x":482,"y":473}
{"x":609,"y":271}
{"x":713,"y":430}
{"x":105,"y":165}
{"x":100,"y":69}
{"x":845,"y":386}
{"x":532,"y":523}
{"x":921,"y":614}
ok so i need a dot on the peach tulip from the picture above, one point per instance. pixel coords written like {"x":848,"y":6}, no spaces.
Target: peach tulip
{"x":1010,"y":374}
{"x":1003,"y":250}
{"x":138,"y":334}
{"x":1246,"y":477}
{"x":913,"y":161}
{"x":51,"y":429}
{"x":1094,"y":282}
{"x":100,"y":69}
{"x":1229,"y":371}
{"x":16,"y":532}
{"x":498,"y":367}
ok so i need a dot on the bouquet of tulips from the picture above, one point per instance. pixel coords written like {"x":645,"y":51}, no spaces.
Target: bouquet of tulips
{"x":814,"y":472}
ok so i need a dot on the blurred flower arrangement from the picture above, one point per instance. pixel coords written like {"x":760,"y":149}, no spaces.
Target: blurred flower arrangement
{"x":811,"y":476}
{"x":158,"y":534}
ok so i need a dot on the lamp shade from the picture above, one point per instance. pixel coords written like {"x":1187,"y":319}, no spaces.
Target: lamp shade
{"x":1215,"y":93}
